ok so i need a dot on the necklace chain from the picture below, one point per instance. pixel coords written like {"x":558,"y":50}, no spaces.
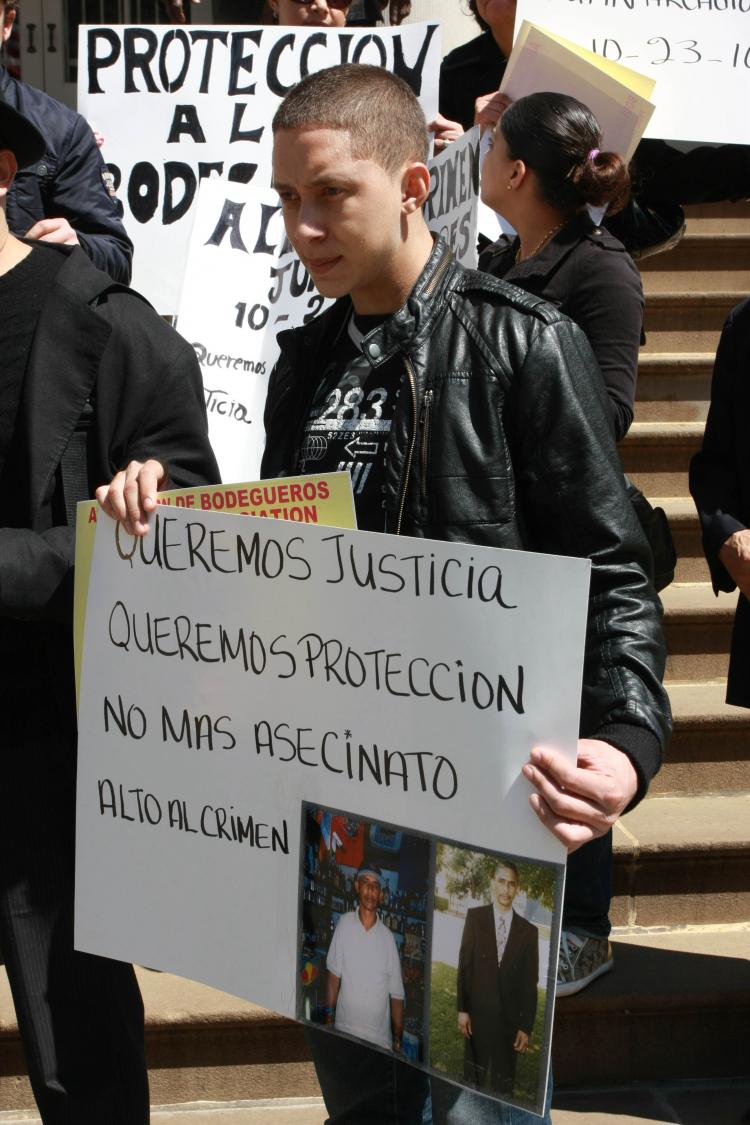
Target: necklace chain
{"x":542,"y":242}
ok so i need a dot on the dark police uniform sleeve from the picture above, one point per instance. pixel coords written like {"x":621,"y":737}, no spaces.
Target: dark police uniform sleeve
{"x":78,"y":193}
{"x":68,"y":182}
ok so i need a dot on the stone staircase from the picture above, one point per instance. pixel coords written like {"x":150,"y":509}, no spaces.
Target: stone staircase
{"x":678,"y":1005}
{"x":677,"y":1008}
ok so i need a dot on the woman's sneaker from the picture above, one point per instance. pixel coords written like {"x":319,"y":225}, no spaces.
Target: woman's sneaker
{"x":582,"y":959}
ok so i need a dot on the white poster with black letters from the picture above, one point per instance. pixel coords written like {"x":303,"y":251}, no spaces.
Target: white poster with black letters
{"x":698,"y":53}
{"x":179,"y":105}
{"x":234,"y":669}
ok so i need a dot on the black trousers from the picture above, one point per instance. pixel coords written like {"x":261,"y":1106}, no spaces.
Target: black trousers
{"x":489,"y":1057}
{"x":80,"y":1017}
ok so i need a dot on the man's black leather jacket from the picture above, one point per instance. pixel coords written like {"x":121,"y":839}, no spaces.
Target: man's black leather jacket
{"x":501,"y":438}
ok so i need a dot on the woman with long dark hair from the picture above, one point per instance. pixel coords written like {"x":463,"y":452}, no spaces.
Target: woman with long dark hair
{"x":543,"y":168}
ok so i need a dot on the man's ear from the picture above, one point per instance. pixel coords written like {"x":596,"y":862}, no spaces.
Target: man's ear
{"x":415,"y":187}
{"x":9,"y":18}
{"x":8,"y":168}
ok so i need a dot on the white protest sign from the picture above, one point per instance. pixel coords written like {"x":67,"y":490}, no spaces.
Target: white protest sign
{"x":236,"y":668}
{"x":244,"y":283}
{"x":698,"y":51}
{"x":179,"y":105}
{"x":451,"y":209}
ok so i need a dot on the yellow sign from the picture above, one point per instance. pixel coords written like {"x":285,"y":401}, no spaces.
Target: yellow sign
{"x":324,"y":499}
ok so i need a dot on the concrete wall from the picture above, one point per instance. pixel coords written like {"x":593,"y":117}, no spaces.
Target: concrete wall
{"x":458,"y":23}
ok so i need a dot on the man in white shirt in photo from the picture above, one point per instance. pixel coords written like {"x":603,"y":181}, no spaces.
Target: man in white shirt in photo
{"x":364,"y":987}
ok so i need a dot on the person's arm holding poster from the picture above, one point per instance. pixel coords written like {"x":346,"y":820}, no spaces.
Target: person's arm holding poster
{"x":146,"y":395}
{"x":563,"y":473}
{"x":168,"y":446}
{"x":131,"y":494}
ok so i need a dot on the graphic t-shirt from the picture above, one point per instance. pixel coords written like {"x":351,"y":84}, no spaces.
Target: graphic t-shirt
{"x":350,"y":421}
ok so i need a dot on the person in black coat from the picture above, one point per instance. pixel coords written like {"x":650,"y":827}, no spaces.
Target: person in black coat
{"x":66,"y":195}
{"x":720,"y":486}
{"x":498,"y":972}
{"x":90,"y":377}
{"x":543,"y":167}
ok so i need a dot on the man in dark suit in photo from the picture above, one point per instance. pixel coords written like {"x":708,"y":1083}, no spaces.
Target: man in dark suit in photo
{"x":498,"y":970}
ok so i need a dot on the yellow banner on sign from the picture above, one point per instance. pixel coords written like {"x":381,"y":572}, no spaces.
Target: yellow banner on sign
{"x":325,"y":499}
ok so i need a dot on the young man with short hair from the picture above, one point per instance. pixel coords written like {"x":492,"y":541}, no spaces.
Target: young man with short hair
{"x":465,"y":410}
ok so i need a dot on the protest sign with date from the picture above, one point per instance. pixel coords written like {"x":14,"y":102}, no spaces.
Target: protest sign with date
{"x":698,"y":51}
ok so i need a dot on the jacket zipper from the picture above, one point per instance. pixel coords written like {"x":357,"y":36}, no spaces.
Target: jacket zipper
{"x":424,"y":442}
{"x":428,"y":291}
{"x":438,"y":274}
{"x":412,"y":442}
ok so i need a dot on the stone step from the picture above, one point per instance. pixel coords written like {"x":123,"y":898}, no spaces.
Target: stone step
{"x":679,"y":321}
{"x":698,"y":627}
{"x":721,"y":218}
{"x":686,"y":533}
{"x":263,"y":1111}
{"x":677,"y":1005}
{"x":673,"y":386}
{"x":701,"y":262}
{"x":690,"y":1102}
{"x":709,"y":751}
{"x":680,"y":1103}
{"x":656,"y":455}
{"x":683,"y":860}
{"x":201,"y":1044}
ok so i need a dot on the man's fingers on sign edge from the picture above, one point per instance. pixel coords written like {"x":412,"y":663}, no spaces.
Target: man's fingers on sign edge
{"x":572,"y":834}
{"x":141,"y":485}
{"x":588,"y":779}
{"x":569,"y":806}
{"x":110,"y":497}
{"x":132,"y":492}
{"x":567,"y":776}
